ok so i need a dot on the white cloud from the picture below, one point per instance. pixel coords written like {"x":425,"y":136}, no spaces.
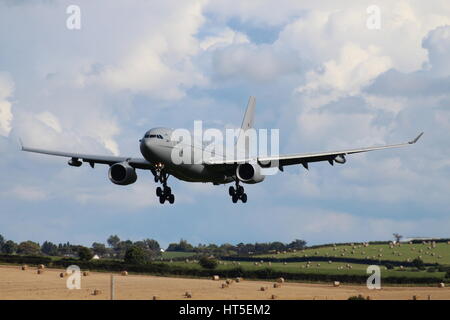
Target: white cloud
{"x":437,"y":42}
{"x":159,"y":63}
{"x":6,"y":116}
{"x":353,"y":69}
{"x":225,"y":37}
{"x":28,"y":193}
{"x":50,"y":120}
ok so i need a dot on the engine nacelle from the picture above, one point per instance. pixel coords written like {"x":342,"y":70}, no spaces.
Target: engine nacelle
{"x":122,"y":174}
{"x":340,"y":159}
{"x":74,"y":162}
{"x":249,"y":173}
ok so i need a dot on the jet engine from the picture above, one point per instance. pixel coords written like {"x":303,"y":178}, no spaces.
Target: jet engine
{"x":122,"y":174}
{"x":249,"y":173}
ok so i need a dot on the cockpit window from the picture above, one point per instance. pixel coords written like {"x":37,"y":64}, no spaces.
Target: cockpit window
{"x":157,"y":136}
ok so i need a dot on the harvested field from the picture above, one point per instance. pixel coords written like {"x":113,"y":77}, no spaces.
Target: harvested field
{"x":27,"y":284}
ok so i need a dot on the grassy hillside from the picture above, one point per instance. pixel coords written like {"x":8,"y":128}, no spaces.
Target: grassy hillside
{"x":332,"y":268}
{"x":429,"y":253}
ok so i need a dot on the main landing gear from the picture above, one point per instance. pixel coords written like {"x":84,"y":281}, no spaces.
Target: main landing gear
{"x":164,"y":193}
{"x":237,"y":193}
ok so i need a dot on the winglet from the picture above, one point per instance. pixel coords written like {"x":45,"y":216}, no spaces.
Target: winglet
{"x":416,"y":139}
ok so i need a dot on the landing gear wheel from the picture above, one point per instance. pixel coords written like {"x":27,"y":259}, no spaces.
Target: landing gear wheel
{"x":164,"y":193}
{"x":244,"y":198}
{"x":234,"y":198}
{"x":240,"y":190}
{"x":231,"y":191}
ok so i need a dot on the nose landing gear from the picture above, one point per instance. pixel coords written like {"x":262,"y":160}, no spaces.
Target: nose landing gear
{"x":164,"y":193}
{"x":237,"y":193}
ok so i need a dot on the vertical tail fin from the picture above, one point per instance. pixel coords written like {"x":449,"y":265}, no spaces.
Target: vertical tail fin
{"x":249,"y":116}
{"x":247,"y":123}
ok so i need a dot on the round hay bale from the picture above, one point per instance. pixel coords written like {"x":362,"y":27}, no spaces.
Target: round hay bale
{"x":62,"y":275}
{"x":228,"y":281}
{"x":330,"y":262}
{"x":263,"y":288}
{"x":155,"y":298}
{"x":277,"y":285}
{"x":238,"y":279}
{"x":224,"y":285}
{"x":215,"y":278}
{"x":441,"y":285}
{"x":97,"y":292}
{"x":41,"y":266}
{"x":24,"y":267}
{"x":124,"y":273}
{"x":273,"y":297}
{"x":336,"y":284}
{"x":40,"y":271}
{"x":188,"y":294}
{"x":280,"y":280}
{"x":85,"y":273}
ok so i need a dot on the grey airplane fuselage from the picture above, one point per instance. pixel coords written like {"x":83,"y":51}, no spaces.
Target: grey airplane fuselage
{"x":157,"y":147}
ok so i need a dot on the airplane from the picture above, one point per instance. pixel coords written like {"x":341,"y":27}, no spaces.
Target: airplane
{"x":156,"y":148}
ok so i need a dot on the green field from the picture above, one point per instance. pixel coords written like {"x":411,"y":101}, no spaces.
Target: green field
{"x":405,"y":252}
{"x":174,"y":255}
{"x":333,"y":268}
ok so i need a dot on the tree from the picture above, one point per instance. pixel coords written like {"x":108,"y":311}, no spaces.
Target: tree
{"x":2,"y":242}
{"x":49,"y":248}
{"x":397,"y":237}
{"x":29,"y":248}
{"x":208,"y":262}
{"x":297,"y":244}
{"x":418,"y":263}
{"x":136,"y":255}
{"x":182,"y":246}
{"x":85,"y":254}
{"x":10,"y":247}
{"x":99,"y":248}
{"x":122,"y":247}
{"x":152,"y":245}
{"x":113,"y":241}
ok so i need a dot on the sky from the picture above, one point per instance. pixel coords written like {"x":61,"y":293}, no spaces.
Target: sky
{"x":320,"y":73}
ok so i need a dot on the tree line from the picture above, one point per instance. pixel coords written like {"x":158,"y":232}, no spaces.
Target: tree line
{"x":150,"y":248}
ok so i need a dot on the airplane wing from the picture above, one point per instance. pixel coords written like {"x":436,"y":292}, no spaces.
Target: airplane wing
{"x":305,"y":158}
{"x":138,"y":163}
